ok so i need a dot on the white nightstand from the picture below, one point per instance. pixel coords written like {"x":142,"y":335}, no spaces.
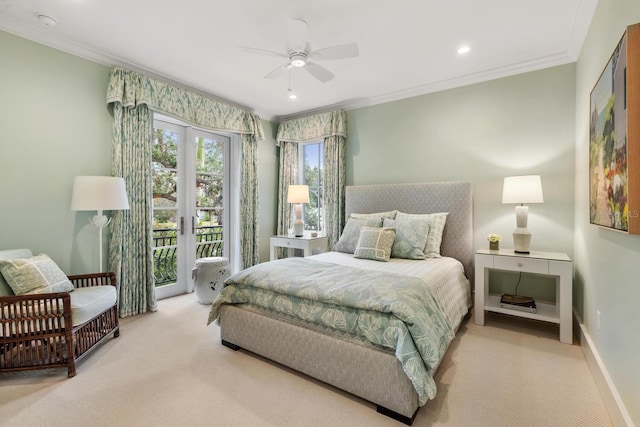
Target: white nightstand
{"x":306,"y":243}
{"x":554,"y":264}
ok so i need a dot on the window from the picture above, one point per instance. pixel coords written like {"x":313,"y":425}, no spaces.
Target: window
{"x":311,"y":158}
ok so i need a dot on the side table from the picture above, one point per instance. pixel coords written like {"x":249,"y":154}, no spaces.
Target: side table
{"x":555,"y":264}
{"x":306,"y":243}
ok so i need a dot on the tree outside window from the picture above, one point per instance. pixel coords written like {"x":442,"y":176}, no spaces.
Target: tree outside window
{"x":312,"y":165}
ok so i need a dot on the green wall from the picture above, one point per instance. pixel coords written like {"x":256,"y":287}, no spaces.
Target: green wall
{"x":268,"y":187}
{"x":607,"y":267}
{"x":55,"y":125}
{"x":481,"y":133}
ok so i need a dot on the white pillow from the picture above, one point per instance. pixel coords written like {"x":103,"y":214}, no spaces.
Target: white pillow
{"x":437,"y":222}
{"x":389,"y":214}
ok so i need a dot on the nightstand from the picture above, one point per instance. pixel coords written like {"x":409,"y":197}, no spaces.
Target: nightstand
{"x":306,"y":243}
{"x":554,"y":264}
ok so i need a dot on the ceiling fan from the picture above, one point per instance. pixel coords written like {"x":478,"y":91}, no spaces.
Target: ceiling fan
{"x":299,"y":54}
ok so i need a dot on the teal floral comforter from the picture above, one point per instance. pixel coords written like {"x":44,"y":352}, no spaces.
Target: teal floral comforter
{"x":388,"y":310}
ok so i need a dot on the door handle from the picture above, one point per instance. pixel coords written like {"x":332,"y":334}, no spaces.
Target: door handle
{"x":181,"y":225}
{"x":193,"y":225}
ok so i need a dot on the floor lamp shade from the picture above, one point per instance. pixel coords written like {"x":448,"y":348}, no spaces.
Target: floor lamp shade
{"x":99,"y":193}
{"x":521,"y":190}
{"x":298,"y":194}
{"x":92,"y":193}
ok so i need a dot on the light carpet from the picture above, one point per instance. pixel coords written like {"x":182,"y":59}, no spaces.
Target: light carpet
{"x":169,"y":369}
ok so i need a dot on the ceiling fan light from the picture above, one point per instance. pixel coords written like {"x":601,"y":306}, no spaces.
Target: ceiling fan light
{"x":292,"y":94}
{"x":298,"y":60}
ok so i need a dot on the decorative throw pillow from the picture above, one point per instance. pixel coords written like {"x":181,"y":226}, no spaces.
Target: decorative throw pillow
{"x":349,"y":238}
{"x":375,"y":243}
{"x":34,"y":275}
{"x":411,"y":237}
{"x":389,"y":214}
{"x":437,"y":222}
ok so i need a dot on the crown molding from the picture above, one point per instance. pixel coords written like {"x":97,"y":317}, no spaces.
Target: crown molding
{"x":580,"y":27}
{"x":469,"y":79}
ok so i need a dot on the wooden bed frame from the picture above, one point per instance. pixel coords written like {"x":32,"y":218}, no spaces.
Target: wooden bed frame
{"x":347,"y":365}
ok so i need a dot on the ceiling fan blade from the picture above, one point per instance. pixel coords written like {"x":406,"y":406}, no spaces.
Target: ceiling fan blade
{"x":349,"y":50}
{"x":319,"y":72}
{"x":277,"y":72}
{"x":261,"y":51}
{"x":297,"y":32}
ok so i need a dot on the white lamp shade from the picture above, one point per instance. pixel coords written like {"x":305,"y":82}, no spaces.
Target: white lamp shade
{"x":522,"y":189}
{"x":298,"y":194}
{"x":99,"y":193}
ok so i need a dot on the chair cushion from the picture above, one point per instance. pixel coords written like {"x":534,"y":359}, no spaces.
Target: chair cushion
{"x":5,"y":289}
{"x":35,"y":275}
{"x":87,"y":303}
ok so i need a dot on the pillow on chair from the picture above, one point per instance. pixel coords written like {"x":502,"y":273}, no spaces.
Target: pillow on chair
{"x":34,"y":275}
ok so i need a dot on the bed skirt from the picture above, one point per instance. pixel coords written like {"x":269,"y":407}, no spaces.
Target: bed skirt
{"x":367,"y":372}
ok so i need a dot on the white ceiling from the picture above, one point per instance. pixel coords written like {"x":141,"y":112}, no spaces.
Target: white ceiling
{"x":407,"y":47}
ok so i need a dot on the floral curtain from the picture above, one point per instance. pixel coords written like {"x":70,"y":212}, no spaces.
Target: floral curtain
{"x":332,"y":128}
{"x":249,"y":208}
{"x":333,"y":184}
{"x":288,"y":175}
{"x":131,"y":97}
{"x":131,"y":246}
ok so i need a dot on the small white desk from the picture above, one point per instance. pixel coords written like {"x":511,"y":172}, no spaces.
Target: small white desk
{"x":306,"y":243}
{"x":555,"y":264}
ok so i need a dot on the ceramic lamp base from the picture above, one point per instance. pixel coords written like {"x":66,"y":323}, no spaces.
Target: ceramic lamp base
{"x":298,"y":223}
{"x":521,"y":235}
{"x":521,"y":240}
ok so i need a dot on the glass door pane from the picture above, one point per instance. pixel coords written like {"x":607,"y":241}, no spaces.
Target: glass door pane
{"x":168,"y":222}
{"x":209,"y":203}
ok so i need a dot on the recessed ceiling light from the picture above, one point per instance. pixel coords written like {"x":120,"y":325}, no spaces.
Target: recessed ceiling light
{"x":47,"y":20}
{"x":463,"y":50}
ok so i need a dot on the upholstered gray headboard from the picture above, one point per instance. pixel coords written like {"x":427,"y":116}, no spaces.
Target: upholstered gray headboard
{"x":453,"y":197}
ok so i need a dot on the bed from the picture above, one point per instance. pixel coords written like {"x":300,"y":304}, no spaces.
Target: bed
{"x":379,"y":346}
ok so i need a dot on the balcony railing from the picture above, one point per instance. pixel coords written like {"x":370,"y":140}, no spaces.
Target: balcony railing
{"x":165,"y":247}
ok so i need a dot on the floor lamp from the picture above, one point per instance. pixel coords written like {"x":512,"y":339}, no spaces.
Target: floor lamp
{"x":99,"y":193}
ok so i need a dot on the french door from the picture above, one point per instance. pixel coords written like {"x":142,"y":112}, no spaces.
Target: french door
{"x":190,"y":193}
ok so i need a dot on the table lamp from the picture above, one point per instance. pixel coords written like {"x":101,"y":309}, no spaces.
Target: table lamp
{"x":298,"y":194}
{"x":99,"y":193}
{"x":521,"y":190}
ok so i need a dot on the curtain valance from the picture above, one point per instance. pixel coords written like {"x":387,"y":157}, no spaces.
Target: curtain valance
{"x":132,"y":89}
{"x":312,"y":128}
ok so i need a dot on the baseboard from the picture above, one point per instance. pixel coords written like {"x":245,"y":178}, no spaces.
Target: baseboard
{"x":610,"y":397}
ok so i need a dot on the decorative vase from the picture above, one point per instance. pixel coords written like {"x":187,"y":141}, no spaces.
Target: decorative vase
{"x":494,"y":246}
